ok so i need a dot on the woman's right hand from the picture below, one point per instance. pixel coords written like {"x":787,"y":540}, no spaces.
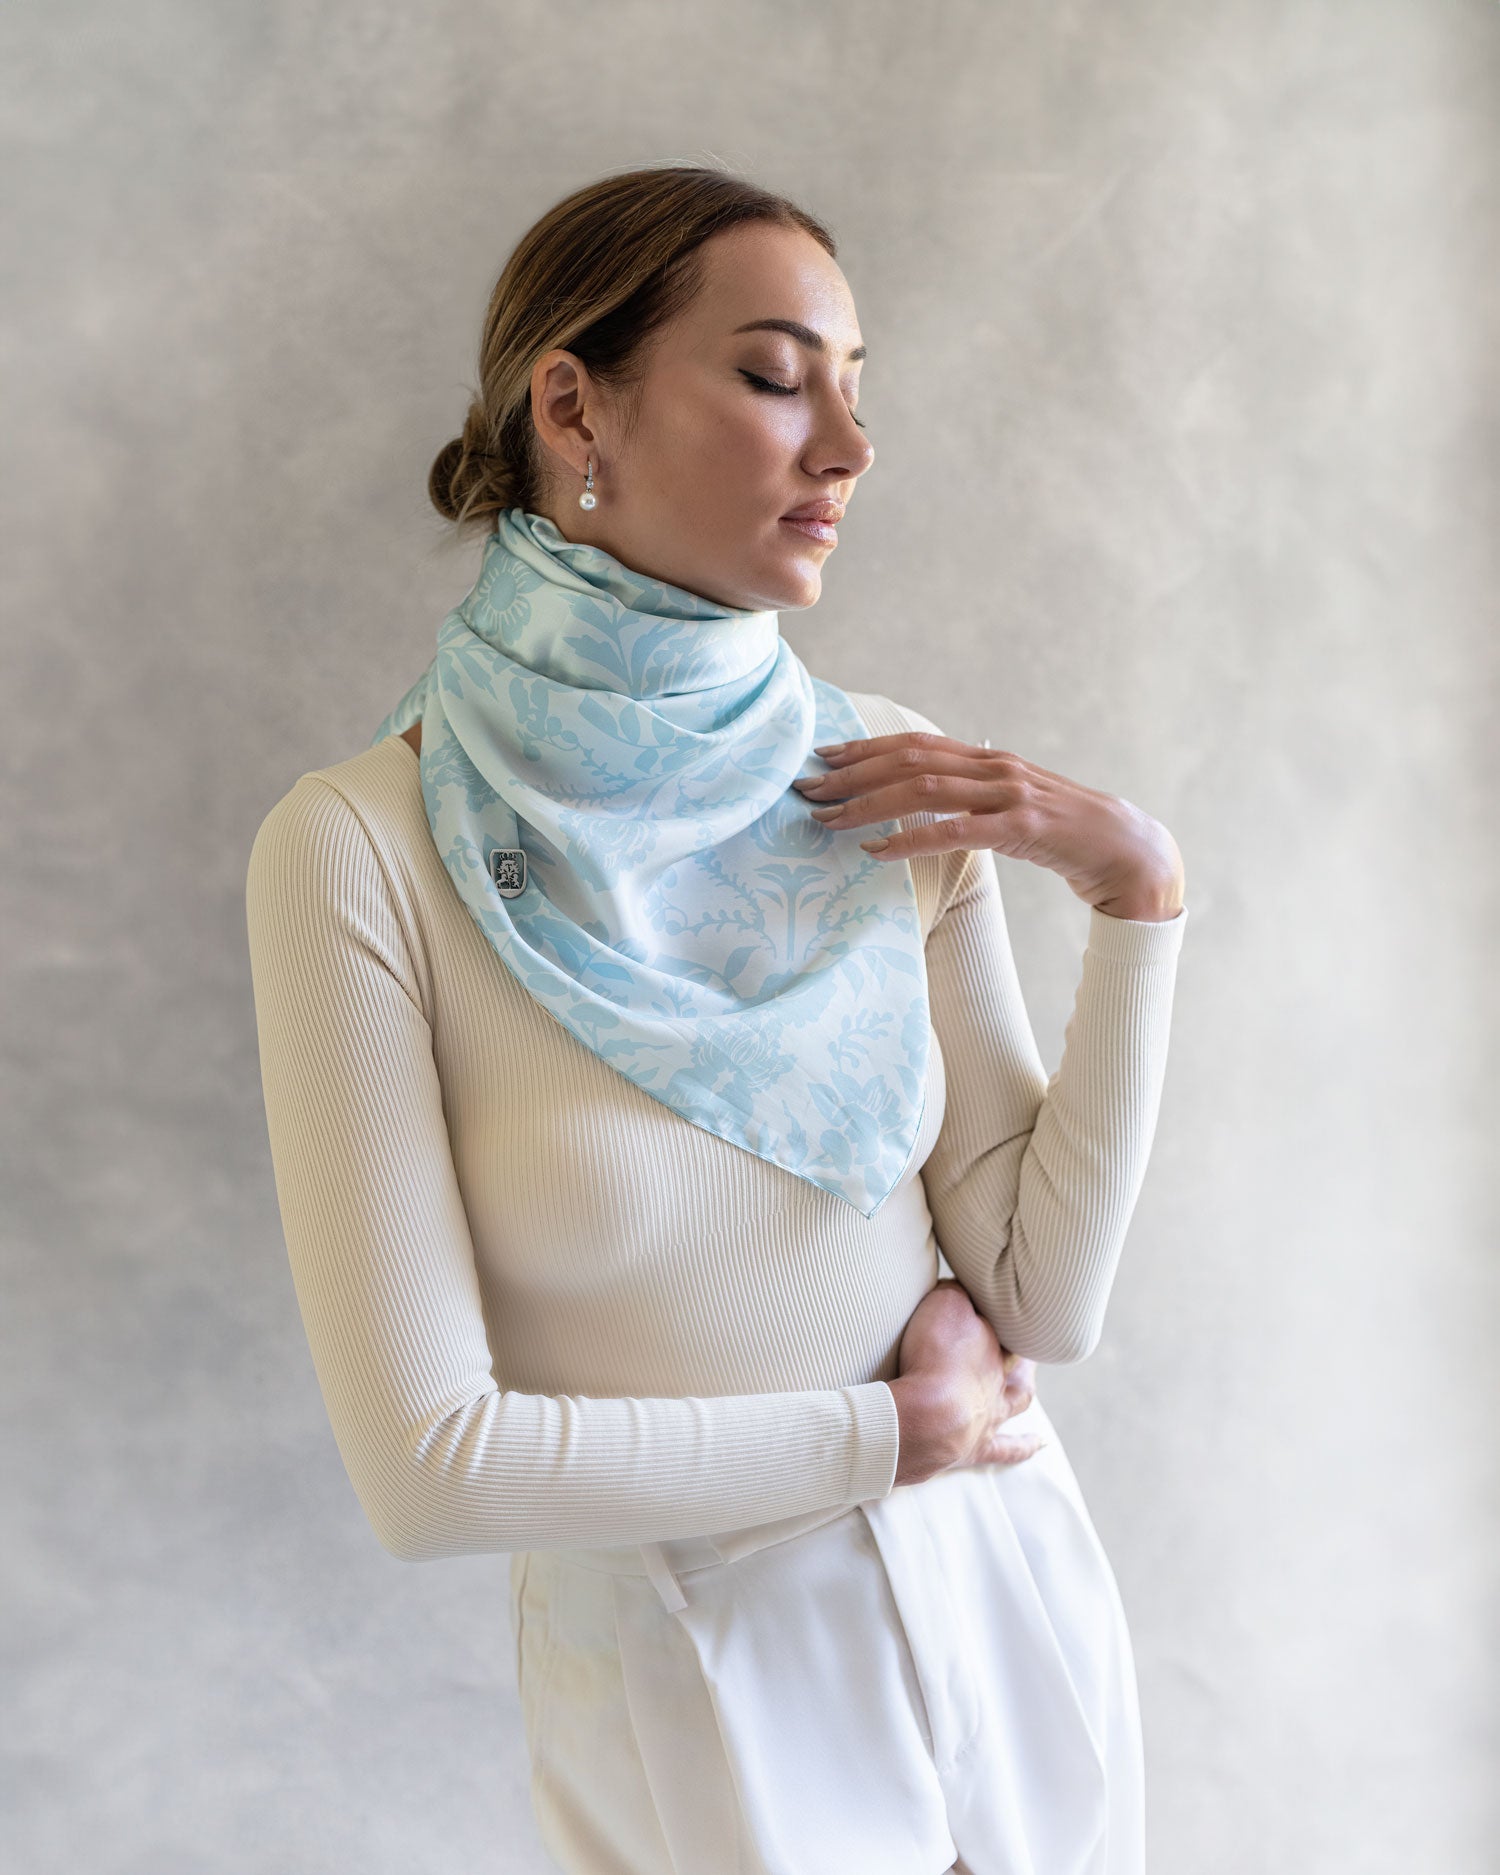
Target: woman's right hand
{"x":955,"y":1389}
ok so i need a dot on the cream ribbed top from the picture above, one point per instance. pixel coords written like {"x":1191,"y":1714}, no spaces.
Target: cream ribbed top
{"x":545,"y":1309}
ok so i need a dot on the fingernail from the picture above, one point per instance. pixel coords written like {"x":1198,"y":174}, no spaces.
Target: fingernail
{"x":830,"y":748}
{"x":874,"y":846}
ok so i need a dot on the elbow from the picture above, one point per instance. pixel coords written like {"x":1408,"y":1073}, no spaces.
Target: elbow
{"x":401,"y":1545}
{"x":400,"y":1536}
{"x":412,"y":1497}
{"x":1071,"y":1344}
{"x":1051,"y":1343}
{"x":417,"y":1542}
{"x":417,"y":1489}
{"x":422,"y":1512}
{"x":408,"y":1520}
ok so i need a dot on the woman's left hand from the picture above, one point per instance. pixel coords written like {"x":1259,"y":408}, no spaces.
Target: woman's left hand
{"x":1112,"y":853}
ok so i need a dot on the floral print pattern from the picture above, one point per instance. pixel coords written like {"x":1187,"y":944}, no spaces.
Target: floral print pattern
{"x":683,"y":914}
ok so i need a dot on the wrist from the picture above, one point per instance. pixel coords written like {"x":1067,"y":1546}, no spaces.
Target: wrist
{"x":1148,"y":878}
{"x":1144,"y":907}
{"x":932,"y":1421}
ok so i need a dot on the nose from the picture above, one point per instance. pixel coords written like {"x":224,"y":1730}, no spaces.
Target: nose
{"x":842,"y":460}
{"x":839,"y":449}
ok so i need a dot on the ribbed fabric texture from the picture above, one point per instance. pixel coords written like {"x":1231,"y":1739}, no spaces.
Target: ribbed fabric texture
{"x":547,"y":1311}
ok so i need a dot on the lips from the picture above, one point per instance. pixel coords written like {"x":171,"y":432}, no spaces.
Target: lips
{"x":824,"y":532}
{"x":815,"y":520}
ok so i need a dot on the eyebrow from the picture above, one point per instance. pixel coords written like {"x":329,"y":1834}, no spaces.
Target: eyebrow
{"x":804,"y":335}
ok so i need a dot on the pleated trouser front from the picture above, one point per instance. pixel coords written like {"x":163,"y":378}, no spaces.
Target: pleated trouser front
{"x":938,"y":1679}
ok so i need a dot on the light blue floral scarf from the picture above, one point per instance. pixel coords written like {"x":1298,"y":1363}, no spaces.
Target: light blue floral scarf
{"x":606,"y":766}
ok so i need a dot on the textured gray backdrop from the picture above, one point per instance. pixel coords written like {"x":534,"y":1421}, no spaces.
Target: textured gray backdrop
{"x":1184,"y":338}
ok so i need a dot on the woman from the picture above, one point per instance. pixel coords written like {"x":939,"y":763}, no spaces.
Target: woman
{"x":620,"y":1100}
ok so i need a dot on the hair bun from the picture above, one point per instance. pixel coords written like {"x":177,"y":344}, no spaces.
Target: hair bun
{"x":440,"y":478}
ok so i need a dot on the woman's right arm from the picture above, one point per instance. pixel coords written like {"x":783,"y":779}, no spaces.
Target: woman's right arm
{"x":445,"y":1459}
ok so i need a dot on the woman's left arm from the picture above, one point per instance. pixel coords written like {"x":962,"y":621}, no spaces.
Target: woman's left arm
{"x":1032,"y":1182}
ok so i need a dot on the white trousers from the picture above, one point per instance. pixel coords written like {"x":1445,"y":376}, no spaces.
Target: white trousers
{"x":940,"y":1679}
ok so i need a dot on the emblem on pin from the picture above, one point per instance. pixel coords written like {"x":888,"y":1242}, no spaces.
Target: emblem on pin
{"x":508,"y":870}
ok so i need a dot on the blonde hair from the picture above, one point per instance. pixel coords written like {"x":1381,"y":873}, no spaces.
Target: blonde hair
{"x":601,"y":272}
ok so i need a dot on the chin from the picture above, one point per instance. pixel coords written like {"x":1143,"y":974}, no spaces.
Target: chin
{"x":794,"y":584}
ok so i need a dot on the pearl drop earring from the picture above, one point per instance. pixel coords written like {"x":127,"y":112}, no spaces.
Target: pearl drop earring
{"x":588,"y":499}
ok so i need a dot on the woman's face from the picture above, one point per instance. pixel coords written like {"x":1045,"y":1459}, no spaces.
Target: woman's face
{"x":696,"y":493}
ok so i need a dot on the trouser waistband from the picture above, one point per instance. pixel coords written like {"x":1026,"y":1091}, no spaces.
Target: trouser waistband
{"x":665,"y":1561}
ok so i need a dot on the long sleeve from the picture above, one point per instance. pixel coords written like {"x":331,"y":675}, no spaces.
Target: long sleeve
{"x":1032,"y":1182}
{"x":444,"y":1458}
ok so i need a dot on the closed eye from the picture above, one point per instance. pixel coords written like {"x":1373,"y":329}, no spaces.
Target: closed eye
{"x":781,"y":390}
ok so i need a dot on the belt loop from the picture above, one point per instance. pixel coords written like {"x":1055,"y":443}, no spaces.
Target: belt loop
{"x":665,"y":1583}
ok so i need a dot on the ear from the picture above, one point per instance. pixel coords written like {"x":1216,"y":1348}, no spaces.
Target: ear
{"x":563,"y":398}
